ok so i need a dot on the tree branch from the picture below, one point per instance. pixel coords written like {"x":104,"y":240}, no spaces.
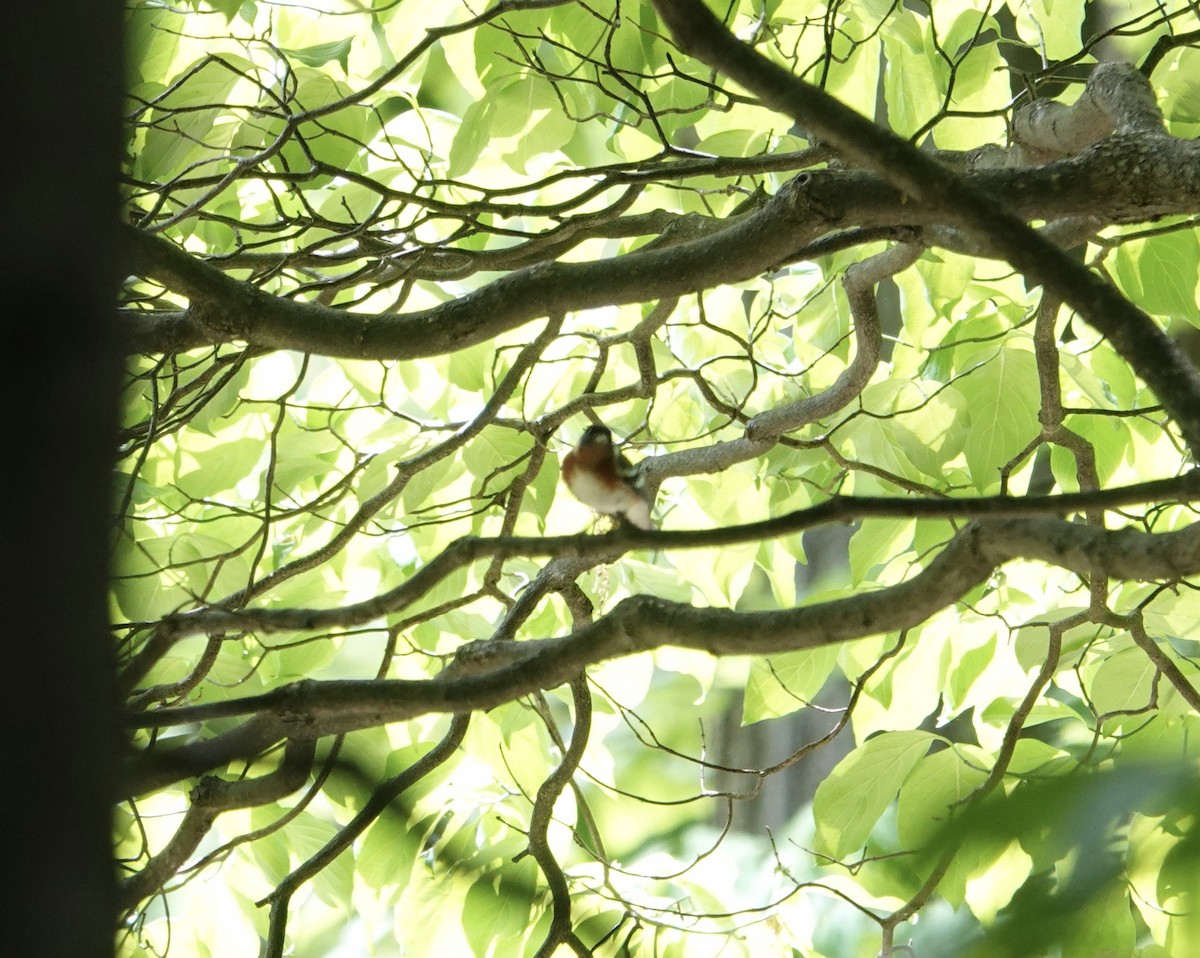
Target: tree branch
{"x":642,"y":623}
{"x":1097,"y":183}
{"x":208,"y":799}
{"x":995,"y":225}
{"x":610,"y":546}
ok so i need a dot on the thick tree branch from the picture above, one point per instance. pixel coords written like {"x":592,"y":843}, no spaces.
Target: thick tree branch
{"x":209,"y":798}
{"x":375,"y":806}
{"x":860,"y":282}
{"x":341,"y":219}
{"x":643,"y":623}
{"x":153,"y":650}
{"x":232,"y":310}
{"x":609,"y":546}
{"x":993,"y":223}
{"x":1116,"y":99}
{"x":1123,"y":178}
{"x":560,"y":931}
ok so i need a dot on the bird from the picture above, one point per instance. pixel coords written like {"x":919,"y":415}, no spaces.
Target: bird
{"x":599,"y":476}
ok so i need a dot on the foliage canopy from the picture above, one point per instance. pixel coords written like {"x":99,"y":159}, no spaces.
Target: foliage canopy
{"x":924,"y":476}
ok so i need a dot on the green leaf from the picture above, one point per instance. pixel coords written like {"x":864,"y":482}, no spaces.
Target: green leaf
{"x":1181,"y":103}
{"x":438,"y":900}
{"x":937,"y":784}
{"x":1052,"y":27}
{"x":221,"y":467}
{"x":960,"y":346}
{"x":221,"y":403}
{"x":473,"y":135}
{"x":910,"y":82}
{"x":1002,"y":396}
{"x":270,"y":851}
{"x":496,"y":908}
{"x":142,"y":592}
{"x":781,"y":684}
{"x":335,"y":51}
{"x":151,"y":49}
{"x":387,"y":853}
{"x":549,"y":134}
{"x":855,"y":794}
{"x":1160,"y":273}
{"x":335,"y":138}
{"x":229,"y":8}
{"x":496,"y":450}
{"x":472,"y":369}
{"x":184,"y":125}
{"x":718,"y":578}
{"x":877,"y":541}
{"x":1124,"y":681}
{"x":1105,"y":926}
{"x":429,"y":486}
{"x":542,"y":491}
{"x":968,"y":667}
{"x":936,"y":432}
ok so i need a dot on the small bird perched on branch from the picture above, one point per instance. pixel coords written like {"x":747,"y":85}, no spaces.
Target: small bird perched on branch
{"x":601,"y":477}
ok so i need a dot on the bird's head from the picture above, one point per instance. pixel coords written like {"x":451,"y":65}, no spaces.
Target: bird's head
{"x":596,"y":436}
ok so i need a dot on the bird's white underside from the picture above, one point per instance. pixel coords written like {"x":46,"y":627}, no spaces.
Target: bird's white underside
{"x":622,"y":500}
